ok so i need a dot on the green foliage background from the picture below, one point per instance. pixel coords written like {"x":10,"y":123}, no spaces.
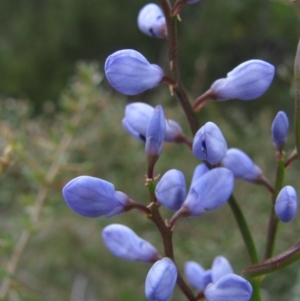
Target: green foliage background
{"x":40,"y":43}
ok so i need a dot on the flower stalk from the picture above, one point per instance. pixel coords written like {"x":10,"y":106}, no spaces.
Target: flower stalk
{"x":273,"y":220}
{"x":297,"y":98}
{"x":172,"y":41}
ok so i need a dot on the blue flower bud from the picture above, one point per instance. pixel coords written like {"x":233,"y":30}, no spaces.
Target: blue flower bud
{"x":286,"y":204}
{"x":156,"y":132}
{"x":137,"y":116}
{"x":173,"y":131}
{"x":170,"y":191}
{"x":230,"y":287}
{"x":209,"y":144}
{"x":92,"y":197}
{"x":151,"y":21}
{"x":241,"y":165}
{"x":123,"y":200}
{"x":195,"y":274}
{"x":199,"y":171}
{"x":247,"y":81}
{"x":210,"y":191}
{"x":280,"y":128}
{"x":207,"y":278}
{"x":220,"y":267}
{"x":125,"y":244}
{"x":130,"y":73}
{"x":161,"y":280}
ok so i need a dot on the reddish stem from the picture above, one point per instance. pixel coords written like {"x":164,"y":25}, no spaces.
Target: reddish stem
{"x":202,"y":99}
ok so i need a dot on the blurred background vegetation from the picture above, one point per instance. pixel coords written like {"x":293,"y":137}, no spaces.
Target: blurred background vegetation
{"x":40,"y":41}
{"x":59,"y":119}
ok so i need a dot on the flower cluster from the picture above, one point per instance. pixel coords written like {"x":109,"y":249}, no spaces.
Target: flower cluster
{"x":219,"y":282}
{"x":213,"y":180}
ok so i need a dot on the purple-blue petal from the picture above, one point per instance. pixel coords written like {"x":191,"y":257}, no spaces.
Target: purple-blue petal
{"x":151,"y":21}
{"x":209,"y":144}
{"x":130,"y":73}
{"x":170,"y":191}
{"x":210,"y":191}
{"x":199,"y":171}
{"x":195,"y":275}
{"x":156,"y":132}
{"x":136,"y":119}
{"x":173,"y":130}
{"x":207,"y":278}
{"x":280,"y":128}
{"x":161,"y":280}
{"x":90,"y":196}
{"x":286,"y":204}
{"x":220,"y":267}
{"x":230,"y":287}
{"x":123,"y":200}
{"x":247,"y":81}
{"x":124,"y":53}
{"x":241,"y":165}
{"x":125,"y":244}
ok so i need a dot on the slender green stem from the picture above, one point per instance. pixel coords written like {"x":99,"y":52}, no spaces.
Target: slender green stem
{"x":243,"y":226}
{"x":249,"y":243}
{"x":275,"y":263}
{"x":297,"y":98}
{"x":256,"y":296}
{"x":273,"y":220}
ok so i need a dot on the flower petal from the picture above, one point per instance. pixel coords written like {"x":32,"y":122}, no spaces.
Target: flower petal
{"x":125,"y":244}
{"x":161,"y":280}
{"x":130,"y":73}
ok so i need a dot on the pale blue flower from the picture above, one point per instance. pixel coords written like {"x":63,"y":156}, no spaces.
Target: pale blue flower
{"x":230,"y":287}
{"x":286,"y":204}
{"x":280,"y":128}
{"x":93,"y":197}
{"x":173,"y":130}
{"x":247,"y":81}
{"x":209,"y":144}
{"x":241,"y":165}
{"x":137,"y":116}
{"x":161,"y":280}
{"x":195,"y":274}
{"x":130,"y":73}
{"x":220,"y":267}
{"x":151,"y":21}
{"x":170,"y":191}
{"x":125,"y":244}
{"x":199,"y":171}
{"x":136,"y":119}
{"x":210,"y":191}
{"x":156,"y":132}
